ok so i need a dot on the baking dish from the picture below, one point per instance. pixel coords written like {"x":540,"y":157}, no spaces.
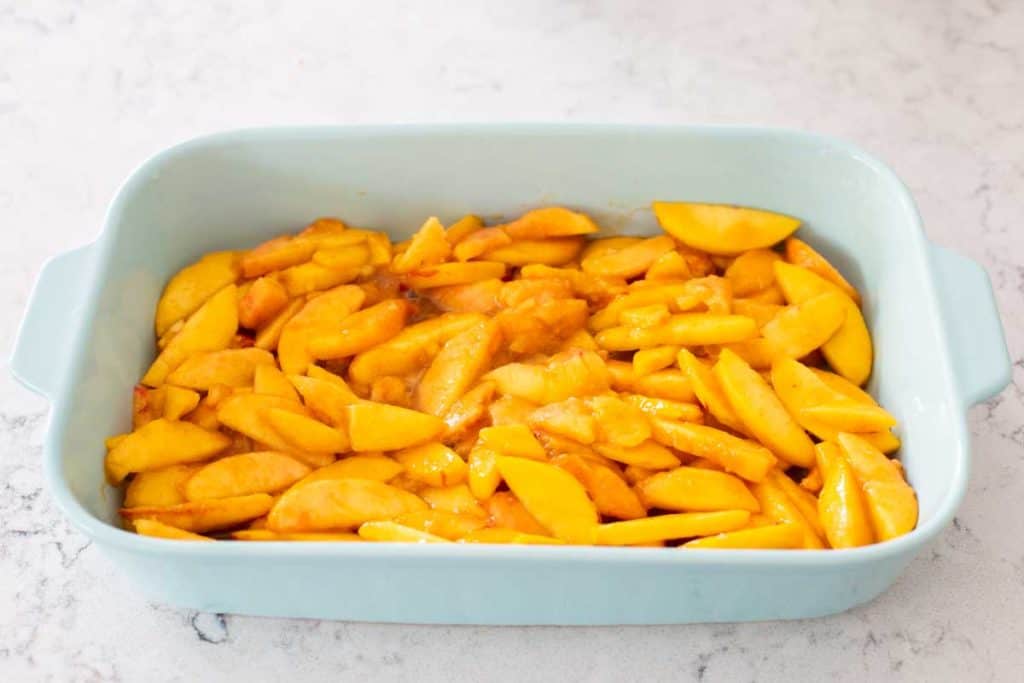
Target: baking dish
{"x":85,"y":340}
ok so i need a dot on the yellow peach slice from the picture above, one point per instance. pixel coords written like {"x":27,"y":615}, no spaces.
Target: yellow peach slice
{"x":762,"y":313}
{"x":210,"y":328}
{"x":500,"y":535}
{"x":692,"y":489}
{"x":332,"y":504}
{"x":709,"y":391}
{"x":325,"y":399}
{"x":305,"y":434}
{"x":159,"y":444}
{"x":800,"y":387}
{"x":721,"y":229}
{"x":267,"y":379}
{"x":841,"y":503}
{"x":155,"y":529}
{"x":752,"y":271}
{"x":463,"y":228}
{"x":394,"y":532}
{"x":344,"y":258}
{"x":159,"y":488}
{"x":483,"y":475}
{"x":774,"y":536}
{"x":566,"y":374}
{"x":662,"y":294}
{"x":205,"y":515}
{"x":570,"y":418}
{"x":507,"y":512}
{"x":663,"y":407}
{"x":410,"y":349}
{"x":650,"y":454}
{"x":479,"y":242}
{"x":848,"y":416}
{"x":270,"y":334}
{"x":230,"y":367}
{"x":314,"y":536}
{"x":456,"y":499}
{"x":800,"y":328}
{"x":427,"y":247}
{"x":891,"y":502}
{"x":307,"y":278}
{"x":450,"y":274}
{"x":193,"y":285}
{"x":805,"y":501}
{"x":245,"y":473}
{"x":780,"y":508}
{"x":434,"y":464}
{"x":382,"y":427}
{"x":551,"y":221}
{"x":469,"y":408}
{"x":669,"y":527}
{"x":276,"y":254}
{"x":611,"y":494}
{"x":512,"y":439}
{"x":630,"y":261}
{"x":849,"y":350}
{"x":744,"y":458}
{"x":441,"y":523}
{"x":799,"y":253}
{"x":553,"y":497}
{"x":178,"y":402}
{"x":552,"y":252}
{"x":325,"y":312}
{"x":362,"y":330}
{"x":684,"y":329}
{"x":646,"y":361}
{"x":455,"y":368}
{"x":761,"y":410}
{"x":668,"y":385}
{"x":376,"y":467}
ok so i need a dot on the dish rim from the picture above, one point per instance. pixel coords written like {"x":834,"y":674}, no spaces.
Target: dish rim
{"x":102,"y":249}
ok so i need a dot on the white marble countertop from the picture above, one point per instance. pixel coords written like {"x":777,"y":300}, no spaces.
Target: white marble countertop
{"x":87,"y":91}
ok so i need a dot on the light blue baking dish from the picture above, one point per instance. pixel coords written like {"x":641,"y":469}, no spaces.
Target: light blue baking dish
{"x":86,"y":338}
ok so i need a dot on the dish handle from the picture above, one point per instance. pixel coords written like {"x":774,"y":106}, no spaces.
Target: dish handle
{"x":981,"y":361}
{"x":40,"y":348}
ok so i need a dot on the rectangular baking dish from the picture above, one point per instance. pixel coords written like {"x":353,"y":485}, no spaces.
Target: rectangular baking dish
{"x":86,"y":338}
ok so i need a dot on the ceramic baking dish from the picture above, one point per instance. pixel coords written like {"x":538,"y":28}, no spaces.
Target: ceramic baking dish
{"x":86,"y":338}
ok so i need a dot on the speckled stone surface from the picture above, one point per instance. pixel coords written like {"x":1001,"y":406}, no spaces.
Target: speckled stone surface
{"x":89,"y":89}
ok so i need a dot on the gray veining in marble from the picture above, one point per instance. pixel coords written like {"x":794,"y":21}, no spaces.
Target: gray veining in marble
{"x":89,"y":89}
